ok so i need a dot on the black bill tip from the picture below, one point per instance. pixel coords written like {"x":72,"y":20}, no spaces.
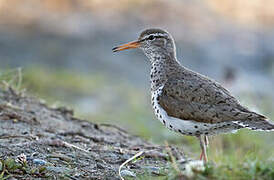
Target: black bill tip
{"x":115,"y":49}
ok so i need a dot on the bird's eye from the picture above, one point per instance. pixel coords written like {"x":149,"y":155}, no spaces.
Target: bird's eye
{"x":151,"y":37}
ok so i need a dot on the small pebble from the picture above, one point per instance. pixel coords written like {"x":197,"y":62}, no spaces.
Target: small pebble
{"x":153,"y":169}
{"x":39,"y":162}
{"x":58,"y":169}
{"x":127,"y":173}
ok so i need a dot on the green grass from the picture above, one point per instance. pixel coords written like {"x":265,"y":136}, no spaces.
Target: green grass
{"x":9,"y":166}
{"x":95,"y":97}
{"x":248,"y":167}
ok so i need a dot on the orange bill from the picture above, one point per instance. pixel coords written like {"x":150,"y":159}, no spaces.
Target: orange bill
{"x":130,"y":45}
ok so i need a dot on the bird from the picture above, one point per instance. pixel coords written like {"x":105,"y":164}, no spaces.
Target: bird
{"x":187,"y":102}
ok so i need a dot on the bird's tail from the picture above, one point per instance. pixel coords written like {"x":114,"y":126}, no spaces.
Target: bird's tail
{"x":257,"y":124}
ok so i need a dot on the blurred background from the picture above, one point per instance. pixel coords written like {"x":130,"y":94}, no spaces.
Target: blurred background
{"x":63,"y":51}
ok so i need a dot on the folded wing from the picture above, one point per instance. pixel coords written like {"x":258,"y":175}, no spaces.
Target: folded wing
{"x":197,"y":98}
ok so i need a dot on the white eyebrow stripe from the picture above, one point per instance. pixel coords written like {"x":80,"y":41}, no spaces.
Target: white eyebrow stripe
{"x":155,"y":34}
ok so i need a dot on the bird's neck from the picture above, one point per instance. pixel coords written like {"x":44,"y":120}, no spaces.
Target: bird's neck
{"x":162,"y":68}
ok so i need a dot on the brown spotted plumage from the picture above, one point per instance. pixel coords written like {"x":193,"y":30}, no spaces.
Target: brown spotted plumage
{"x":188,"y":102}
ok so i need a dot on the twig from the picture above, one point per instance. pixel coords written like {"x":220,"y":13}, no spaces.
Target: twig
{"x":19,"y":74}
{"x":113,"y":126}
{"x":74,"y":146}
{"x":9,"y":105}
{"x":173,"y":161}
{"x":130,"y":159}
{"x":18,"y":136}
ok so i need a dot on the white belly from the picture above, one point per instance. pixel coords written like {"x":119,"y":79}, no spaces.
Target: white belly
{"x":187,"y":127}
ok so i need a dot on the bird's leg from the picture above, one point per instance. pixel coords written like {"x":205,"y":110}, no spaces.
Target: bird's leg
{"x":202,"y":155}
{"x":203,"y":148}
{"x":201,"y":145}
{"x":206,"y":141}
{"x":205,"y":145}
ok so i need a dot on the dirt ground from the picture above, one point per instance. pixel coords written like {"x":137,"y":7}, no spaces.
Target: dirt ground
{"x":37,"y":141}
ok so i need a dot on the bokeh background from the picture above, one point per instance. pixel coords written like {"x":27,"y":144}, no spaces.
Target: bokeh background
{"x":62,"y":51}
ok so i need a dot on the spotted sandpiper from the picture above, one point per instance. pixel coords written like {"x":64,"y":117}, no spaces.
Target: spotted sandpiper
{"x":188,"y":102}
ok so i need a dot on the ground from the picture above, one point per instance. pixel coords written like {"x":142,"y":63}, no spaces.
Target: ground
{"x":39,"y":141}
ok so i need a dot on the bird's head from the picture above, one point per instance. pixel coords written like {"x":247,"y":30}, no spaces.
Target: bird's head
{"x":153,"y":42}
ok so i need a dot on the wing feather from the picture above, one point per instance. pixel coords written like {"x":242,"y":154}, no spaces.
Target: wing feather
{"x":197,"y":98}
